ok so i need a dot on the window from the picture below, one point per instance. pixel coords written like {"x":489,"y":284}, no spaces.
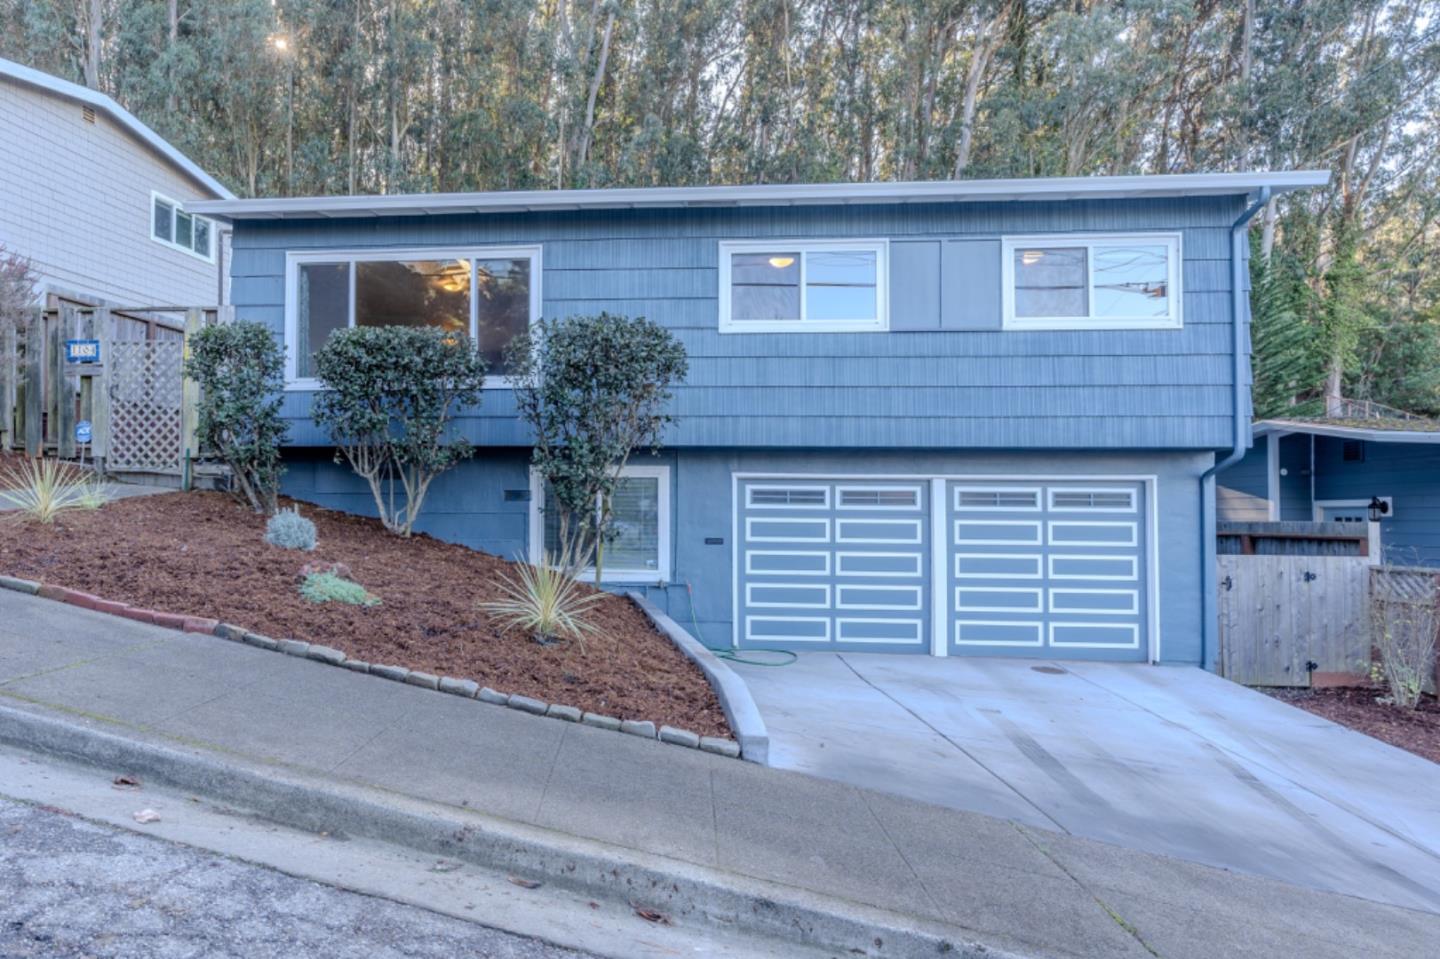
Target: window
{"x":171,"y":225}
{"x":491,"y":294}
{"x":638,"y":550}
{"x":810,"y":286}
{"x":1352,"y":451}
{"x":1070,"y":281}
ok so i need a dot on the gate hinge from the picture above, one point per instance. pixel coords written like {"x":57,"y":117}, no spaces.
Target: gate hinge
{"x":1227,"y":582}
{"x":1310,"y":577}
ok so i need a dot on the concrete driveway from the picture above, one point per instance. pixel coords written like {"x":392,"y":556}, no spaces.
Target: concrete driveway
{"x":1170,"y":760}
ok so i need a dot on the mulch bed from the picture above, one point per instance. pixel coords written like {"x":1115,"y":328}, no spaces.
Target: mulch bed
{"x":1416,"y":731}
{"x":203,"y":554}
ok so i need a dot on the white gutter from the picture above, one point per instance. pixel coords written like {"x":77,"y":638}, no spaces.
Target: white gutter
{"x":1347,"y":432}
{"x":784,"y":194}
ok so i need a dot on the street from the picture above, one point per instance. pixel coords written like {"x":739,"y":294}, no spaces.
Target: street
{"x":75,"y":889}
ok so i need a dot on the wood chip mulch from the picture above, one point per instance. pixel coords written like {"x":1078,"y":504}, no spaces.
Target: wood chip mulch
{"x":1414,"y":730}
{"x":203,"y":554}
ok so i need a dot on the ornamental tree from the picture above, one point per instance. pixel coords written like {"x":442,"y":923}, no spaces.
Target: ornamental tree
{"x":593,"y":389}
{"x":389,"y":402}
{"x":240,"y":369}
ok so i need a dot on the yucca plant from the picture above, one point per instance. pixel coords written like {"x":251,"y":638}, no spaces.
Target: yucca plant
{"x":545,"y":601}
{"x":42,"y":489}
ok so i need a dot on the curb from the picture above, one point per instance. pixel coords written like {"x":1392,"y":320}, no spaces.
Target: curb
{"x":740,"y":709}
{"x":464,"y":688}
{"x":696,"y":894}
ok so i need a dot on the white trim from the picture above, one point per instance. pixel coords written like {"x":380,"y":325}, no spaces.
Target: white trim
{"x":917,"y":590}
{"x":1172,"y":240}
{"x":848,"y":521}
{"x":1090,"y":557}
{"x":803,"y":247}
{"x":776,"y":194}
{"x":1132,"y":627}
{"x":939,"y":578}
{"x":1038,"y":627}
{"x":1051,"y":593}
{"x":1066,"y":544}
{"x":916,"y":506}
{"x":613,"y":576}
{"x":919,"y":559}
{"x":750,"y":536}
{"x":1038,"y":574}
{"x":750,"y":634}
{"x":177,"y":207}
{"x":295,"y":259}
{"x":1036,"y":591}
{"x":1127,"y":490}
{"x":919,"y":625}
{"x":1035,"y":524}
{"x":961,"y":508}
{"x":751,"y":504}
{"x":750,"y":570}
{"x":750,"y":602}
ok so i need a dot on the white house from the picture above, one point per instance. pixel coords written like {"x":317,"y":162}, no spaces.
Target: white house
{"x":97,"y":200}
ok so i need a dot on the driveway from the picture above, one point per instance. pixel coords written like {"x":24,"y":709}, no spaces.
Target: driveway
{"x":1170,"y":760}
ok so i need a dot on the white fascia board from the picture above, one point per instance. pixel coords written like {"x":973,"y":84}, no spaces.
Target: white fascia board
{"x":803,"y":194}
{"x":1347,"y":432}
{"x":93,"y":98}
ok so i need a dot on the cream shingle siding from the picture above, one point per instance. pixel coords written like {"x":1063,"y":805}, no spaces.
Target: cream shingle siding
{"x":75,"y":199}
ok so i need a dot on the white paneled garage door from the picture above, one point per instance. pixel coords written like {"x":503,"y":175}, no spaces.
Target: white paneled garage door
{"x":1053,"y":568}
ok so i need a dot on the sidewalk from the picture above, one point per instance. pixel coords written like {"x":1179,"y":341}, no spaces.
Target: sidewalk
{"x":1013,"y":886}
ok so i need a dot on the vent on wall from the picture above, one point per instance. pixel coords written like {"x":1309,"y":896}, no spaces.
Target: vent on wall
{"x":87,"y":114}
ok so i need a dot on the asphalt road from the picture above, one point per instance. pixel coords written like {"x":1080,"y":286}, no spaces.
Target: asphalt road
{"x":71,"y":889}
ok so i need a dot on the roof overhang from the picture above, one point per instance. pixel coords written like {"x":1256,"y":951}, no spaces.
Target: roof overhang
{"x":40,"y":80}
{"x":1266,"y":427}
{"x":771,"y":195}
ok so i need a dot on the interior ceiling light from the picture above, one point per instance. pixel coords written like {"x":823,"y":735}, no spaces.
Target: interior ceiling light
{"x":781,"y":262}
{"x":1031,"y":257}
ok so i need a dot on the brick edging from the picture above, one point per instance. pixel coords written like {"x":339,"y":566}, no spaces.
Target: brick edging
{"x":464,"y":688}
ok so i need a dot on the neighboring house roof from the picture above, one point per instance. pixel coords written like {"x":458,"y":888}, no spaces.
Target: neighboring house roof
{"x":1376,"y":430}
{"x":84,"y":95}
{"x":777,"y":194}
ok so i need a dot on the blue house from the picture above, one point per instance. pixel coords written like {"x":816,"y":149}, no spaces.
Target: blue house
{"x":946,"y":418}
{"x":1340,"y":469}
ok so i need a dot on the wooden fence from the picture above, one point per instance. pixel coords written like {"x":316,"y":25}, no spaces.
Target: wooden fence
{"x":140,"y":410}
{"x":1294,"y":601}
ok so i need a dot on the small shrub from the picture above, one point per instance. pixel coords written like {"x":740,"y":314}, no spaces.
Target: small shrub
{"x":545,"y":601}
{"x":289,"y":530}
{"x":329,"y":588}
{"x":390,"y":398}
{"x":1403,"y":632}
{"x":42,"y":489}
{"x":240,"y":368}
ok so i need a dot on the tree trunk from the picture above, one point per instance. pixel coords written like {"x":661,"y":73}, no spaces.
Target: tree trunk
{"x":172,"y":20}
{"x":93,"y":28}
{"x":1267,"y":233}
{"x":582,"y":149}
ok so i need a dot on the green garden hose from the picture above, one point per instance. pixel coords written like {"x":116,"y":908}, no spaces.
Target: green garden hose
{"x":729,"y":652}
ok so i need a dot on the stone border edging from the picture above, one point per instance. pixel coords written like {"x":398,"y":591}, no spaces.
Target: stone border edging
{"x":698,"y":894}
{"x":740,"y":709}
{"x":464,"y":688}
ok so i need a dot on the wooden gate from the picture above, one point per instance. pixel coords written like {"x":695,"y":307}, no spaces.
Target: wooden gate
{"x":1283,"y":617}
{"x":146,"y":420}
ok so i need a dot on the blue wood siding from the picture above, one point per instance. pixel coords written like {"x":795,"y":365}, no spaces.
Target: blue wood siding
{"x":1409,"y":473}
{"x":1294,"y":478}
{"x":945,"y":376}
{"x":1240,"y":491}
{"x":469,"y":505}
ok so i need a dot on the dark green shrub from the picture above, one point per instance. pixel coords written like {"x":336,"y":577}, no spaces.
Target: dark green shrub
{"x":593,"y":389}
{"x":390,"y":397}
{"x":240,"y":369}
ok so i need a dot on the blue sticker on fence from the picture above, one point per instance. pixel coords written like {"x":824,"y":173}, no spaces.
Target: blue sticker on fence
{"x":82,"y":351}
{"x":82,"y":431}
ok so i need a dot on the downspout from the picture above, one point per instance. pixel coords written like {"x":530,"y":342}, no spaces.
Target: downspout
{"x":1238,"y":307}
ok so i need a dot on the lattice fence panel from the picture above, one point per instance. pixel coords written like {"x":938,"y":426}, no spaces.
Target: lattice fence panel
{"x":145,"y":403}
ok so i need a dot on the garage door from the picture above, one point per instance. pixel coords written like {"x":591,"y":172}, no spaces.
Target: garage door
{"x":834,"y":564}
{"x":1047,"y":569}
{"x":1042,"y":568}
